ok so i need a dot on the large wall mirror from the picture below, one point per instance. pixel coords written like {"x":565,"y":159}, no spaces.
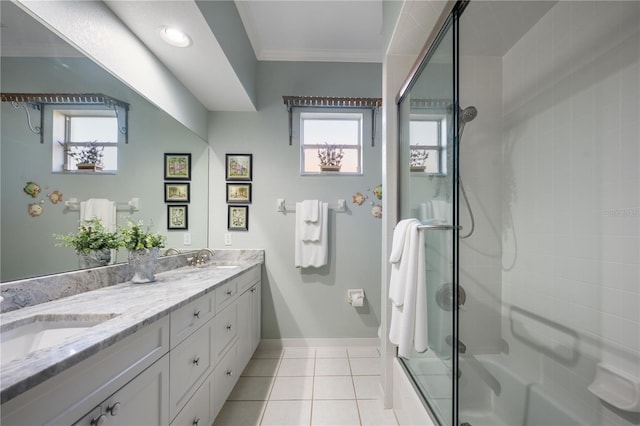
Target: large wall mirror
{"x":42,"y":63}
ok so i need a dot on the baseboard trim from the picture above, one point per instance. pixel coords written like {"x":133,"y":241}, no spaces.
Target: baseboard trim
{"x":318,"y":342}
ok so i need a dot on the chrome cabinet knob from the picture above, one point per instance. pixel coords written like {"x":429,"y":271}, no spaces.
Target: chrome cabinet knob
{"x":99,"y":421}
{"x":196,"y":361}
{"x":229,"y":292}
{"x":113,"y":409}
{"x":229,"y":373}
{"x":229,"y":327}
{"x":196,"y":314}
{"x":195,"y":422}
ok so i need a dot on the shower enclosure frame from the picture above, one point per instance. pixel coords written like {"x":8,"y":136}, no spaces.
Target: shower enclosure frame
{"x":448,"y":24}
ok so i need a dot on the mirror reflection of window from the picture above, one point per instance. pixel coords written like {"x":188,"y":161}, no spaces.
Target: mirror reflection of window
{"x":427,"y":143}
{"x":78,"y":130}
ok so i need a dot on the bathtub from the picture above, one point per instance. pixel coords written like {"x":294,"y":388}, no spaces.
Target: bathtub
{"x":491,"y":395}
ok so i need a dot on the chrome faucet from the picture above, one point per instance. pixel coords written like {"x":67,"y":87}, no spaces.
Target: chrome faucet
{"x":171,"y":251}
{"x":201,"y":257}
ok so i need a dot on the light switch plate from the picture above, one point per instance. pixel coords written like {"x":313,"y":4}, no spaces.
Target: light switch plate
{"x":227,"y":239}
{"x":187,"y":239}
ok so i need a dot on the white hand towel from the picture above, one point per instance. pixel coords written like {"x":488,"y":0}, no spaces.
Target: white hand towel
{"x":310,"y":214}
{"x":311,"y":253}
{"x":310,"y":210}
{"x":99,"y":208}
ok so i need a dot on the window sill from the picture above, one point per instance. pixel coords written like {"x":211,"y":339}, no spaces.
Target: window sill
{"x":84,"y":172}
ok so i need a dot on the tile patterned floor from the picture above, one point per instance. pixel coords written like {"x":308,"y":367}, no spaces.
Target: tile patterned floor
{"x":309,"y":386}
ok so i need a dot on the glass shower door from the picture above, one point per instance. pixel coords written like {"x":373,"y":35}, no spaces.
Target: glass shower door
{"x":427,"y":171}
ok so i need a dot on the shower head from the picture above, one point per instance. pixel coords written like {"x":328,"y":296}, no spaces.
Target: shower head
{"x":466,"y":115}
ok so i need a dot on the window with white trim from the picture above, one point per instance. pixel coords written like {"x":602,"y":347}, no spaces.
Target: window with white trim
{"x":77,"y":130}
{"x":427,"y":135}
{"x":336,"y":136}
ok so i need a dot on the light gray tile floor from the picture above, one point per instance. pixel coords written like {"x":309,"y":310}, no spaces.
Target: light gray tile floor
{"x":307,"y":387}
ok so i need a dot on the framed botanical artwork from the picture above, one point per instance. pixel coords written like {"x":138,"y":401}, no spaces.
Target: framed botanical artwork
{"x":177,"y":192}
{"x":177,"y":166}
{"x":238,"y":166}
{"x":238,"y":218}
{"x":238,"y":193}
{"x":178,"y":216}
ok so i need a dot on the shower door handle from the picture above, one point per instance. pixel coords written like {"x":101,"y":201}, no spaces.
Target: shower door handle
{"x":462,"y":348}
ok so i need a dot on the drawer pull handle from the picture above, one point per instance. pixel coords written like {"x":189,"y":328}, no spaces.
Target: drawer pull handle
{"x":229,"y":373}
{"x":229,"y":327}
{"x":196,"y":361}
{"x":195,"y":422}
{"x":196,"y":314}
{"x":99,"y":421}
{"x":253,"y":290}
{"x":113,"y":409}
{"x":229,"y":292}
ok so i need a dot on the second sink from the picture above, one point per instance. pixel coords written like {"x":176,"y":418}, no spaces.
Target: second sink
{"x":43,"y":331}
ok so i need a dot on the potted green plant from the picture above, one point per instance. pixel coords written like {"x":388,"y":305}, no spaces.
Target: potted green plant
{"x":330,"y":158}
{"x":418,"y":160}
{"x":89,"y":158}
{"x":143,"y":246}
{"x":93,"y":243}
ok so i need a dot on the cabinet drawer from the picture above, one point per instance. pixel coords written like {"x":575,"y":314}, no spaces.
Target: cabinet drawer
{"x":191,"y":363}
{"x":226,"y":325}
{"x":198,"y":411}
{"x":143,"y":401}
{"x":225,"y":377}
{"x":249,"y":278}
{"x":225,"y":294}
{"x":190,"y":317}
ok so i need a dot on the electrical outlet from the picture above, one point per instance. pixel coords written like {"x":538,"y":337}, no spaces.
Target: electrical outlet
{"x":227,"y":239}
{"x":187,"y":239}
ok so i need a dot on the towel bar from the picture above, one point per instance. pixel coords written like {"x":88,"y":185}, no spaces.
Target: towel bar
{"x":132,"y":205}
{"x":340,"y":206}
{"x":438,"y":227}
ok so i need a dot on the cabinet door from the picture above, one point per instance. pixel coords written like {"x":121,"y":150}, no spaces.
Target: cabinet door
{"x":191,"y":364}
{"x":142,"y":401}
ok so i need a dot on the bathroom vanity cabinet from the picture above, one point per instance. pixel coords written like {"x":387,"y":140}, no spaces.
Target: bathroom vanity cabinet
{"x":177,"y":370}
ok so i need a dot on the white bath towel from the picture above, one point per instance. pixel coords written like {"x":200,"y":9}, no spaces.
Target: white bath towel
{"x":101,"y":209}
{"x":311,"y":225}
{"x":311,"y":253}
{"x":399,"y":263}
{"x":408,"y":327}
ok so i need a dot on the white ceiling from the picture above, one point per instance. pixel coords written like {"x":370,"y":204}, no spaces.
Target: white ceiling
{"x":290,"y":30}
{"x":278,"y":30}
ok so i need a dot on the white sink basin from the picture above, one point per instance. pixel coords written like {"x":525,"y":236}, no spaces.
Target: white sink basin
{"x":43,"y":331}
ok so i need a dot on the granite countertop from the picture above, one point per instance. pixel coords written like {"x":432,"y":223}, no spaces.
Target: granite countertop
{"x":131,"y":306}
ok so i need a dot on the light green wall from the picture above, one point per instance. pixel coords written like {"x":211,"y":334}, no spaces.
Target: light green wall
{"x":27,"y":243}
{"x":308,"y":303}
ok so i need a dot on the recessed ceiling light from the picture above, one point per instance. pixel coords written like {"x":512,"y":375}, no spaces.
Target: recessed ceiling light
{"x":175,"y":37}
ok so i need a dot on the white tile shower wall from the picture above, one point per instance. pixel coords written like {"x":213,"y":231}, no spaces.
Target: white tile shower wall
{"x":481,"y":168}
{"x":571,"y":152}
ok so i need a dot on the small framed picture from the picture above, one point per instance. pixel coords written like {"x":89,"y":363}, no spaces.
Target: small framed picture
{"x":238,"y":166}
{"x":178,"y":216}
{"x":239,"y":193}
{"x":177,"y":166}
{"x":238,"y":218}
{"x":177,"y":192}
